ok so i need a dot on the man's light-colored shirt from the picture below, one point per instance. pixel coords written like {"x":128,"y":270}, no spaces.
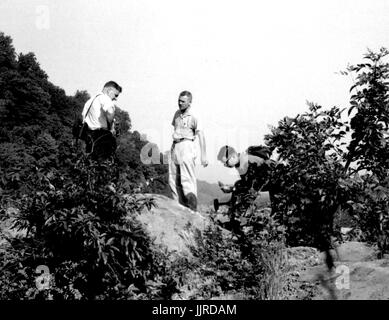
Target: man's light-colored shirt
{"x":185,"y":125}
{"x":97,"y":115}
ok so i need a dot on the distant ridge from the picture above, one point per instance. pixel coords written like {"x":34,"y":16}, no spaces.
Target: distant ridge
{"x":208,"y":191}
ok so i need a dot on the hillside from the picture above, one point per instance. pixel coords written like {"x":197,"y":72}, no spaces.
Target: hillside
{"x":36,"y":139}
{"x":174,"y":227}
{"x":207,"y":192}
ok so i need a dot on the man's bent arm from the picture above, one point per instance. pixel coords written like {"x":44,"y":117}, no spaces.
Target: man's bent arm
{"x":110,"y":119}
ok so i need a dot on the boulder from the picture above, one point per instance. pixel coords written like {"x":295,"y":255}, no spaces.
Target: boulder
{"x":302,"y":257}
{"x":172,"y":224}
{"x":356,"y":251}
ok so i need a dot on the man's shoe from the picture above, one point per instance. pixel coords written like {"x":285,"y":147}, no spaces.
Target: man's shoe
{"x":191,"y":201}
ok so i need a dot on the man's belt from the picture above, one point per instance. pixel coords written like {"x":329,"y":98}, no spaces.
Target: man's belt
{"x":182,"y":139}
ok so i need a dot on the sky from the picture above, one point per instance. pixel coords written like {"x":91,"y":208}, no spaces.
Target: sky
{"x":247,"y":63}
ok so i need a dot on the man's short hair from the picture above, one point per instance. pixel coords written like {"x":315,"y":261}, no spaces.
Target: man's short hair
{"x":113,"y":84}
{"x":225,"y":152}
{"x":186,"y":93}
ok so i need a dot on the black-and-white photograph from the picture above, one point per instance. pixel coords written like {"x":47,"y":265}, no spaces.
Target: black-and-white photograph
{"x":194,"y":150}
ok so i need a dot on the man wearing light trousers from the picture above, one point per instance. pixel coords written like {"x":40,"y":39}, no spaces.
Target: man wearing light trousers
{"x":182,"y":178}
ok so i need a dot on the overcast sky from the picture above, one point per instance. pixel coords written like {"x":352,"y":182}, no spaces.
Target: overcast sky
{"x":247,"y":63}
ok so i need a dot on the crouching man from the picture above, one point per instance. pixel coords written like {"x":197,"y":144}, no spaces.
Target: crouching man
{"x":252,"y":166}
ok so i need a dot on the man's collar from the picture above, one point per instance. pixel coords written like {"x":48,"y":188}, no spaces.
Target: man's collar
{"x":103,"y":93}
{"x":187,"y":112}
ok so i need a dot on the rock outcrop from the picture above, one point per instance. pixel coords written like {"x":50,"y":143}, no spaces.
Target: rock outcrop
{"x":358,"y":275}
{"x":172,"y":224}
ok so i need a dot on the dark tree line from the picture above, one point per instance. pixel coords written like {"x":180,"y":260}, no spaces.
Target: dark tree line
{"x":36,"y":119}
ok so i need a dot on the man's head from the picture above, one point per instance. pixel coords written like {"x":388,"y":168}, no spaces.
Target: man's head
{"x":184,"y":100}
{"x":112,"y":89}
{"x":228,"y":156}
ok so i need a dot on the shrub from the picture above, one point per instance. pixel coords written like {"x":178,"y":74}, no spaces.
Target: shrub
{"x":304,"y":183}
{"x":369,"y":145}
{"x":250,"y":266}
{"x":86,"y":234}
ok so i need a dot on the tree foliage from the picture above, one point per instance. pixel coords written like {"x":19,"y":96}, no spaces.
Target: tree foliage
{"x":369,"y":144}
{"x":305,"y":180}
{"x":369,"y":101}
{"x":36,"y":126}
{"x":323,"y":172}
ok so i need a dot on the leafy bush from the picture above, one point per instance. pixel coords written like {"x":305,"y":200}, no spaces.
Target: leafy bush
{"x":304,"y":182}
{"x":87,"y":235}
{"x":369,"y":205}
{"x":369,"y":145}
{"x":249,"y":266}
{"x":320,"y":175}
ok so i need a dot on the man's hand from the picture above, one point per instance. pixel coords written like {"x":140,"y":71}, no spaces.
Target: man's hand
{"x":225,"y":188}
{"x":204,"y":162}
{"x":114,"y":127}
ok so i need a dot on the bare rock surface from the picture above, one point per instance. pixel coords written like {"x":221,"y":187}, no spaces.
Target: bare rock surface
{"x":356,"y":251}
{"x":358,"y":275}
{"x":172,"y":224}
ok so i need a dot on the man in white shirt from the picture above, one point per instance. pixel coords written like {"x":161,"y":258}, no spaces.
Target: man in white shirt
{"x":182,"y":178}
{"x":98,"y":113}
